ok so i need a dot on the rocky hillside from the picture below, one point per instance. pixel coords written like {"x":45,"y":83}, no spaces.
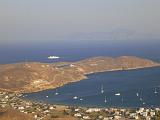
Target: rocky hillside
{"x":29,"y":77}
{"x":100,"y":64}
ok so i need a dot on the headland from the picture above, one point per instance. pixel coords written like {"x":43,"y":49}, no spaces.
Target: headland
{"x":35,"y":76}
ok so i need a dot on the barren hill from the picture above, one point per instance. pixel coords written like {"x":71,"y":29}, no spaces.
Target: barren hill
{"x":35,"y":76}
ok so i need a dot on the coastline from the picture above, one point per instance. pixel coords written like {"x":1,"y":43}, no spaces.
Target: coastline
{"x":45,"y":111}
{"x":74,"y":110}
{"x":34,"y":76}
{"x":74,"y":81}
{"x":83,"y":104}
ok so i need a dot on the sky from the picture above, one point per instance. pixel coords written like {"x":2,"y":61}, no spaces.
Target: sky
{"x":39,"y":21}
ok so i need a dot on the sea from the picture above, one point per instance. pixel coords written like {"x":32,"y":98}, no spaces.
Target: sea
{"x":132,"y":88}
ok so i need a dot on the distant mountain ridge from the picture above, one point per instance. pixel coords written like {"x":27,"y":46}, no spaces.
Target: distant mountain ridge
{"x":35,"y":76}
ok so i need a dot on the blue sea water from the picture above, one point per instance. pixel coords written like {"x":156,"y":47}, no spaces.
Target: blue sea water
{"x":128,"y":83}
{"x":77,"y":50}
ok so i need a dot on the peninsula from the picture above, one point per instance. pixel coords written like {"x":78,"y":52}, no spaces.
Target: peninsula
{"x":36,"y":76}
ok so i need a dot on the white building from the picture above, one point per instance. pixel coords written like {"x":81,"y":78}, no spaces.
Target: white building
{"x":93,"y":110}
{"x":77,"y":115}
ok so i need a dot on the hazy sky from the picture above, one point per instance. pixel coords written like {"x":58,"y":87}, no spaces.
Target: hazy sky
{"x":51,"y":20}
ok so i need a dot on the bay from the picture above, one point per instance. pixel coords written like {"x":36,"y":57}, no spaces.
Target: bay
{"x":133,"y":88}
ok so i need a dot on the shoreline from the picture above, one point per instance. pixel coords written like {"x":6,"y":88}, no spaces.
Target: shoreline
{"x":74,"y":81}
{"x":88,"y":106}
{"x":101,"y":106}
{"x":41,"y":111}
{"x":35,"y":77}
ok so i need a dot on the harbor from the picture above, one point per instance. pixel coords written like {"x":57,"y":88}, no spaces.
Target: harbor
{"x":108,"y":89}
{"x":43,"y":111}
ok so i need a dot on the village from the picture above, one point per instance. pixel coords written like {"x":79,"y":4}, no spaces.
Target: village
{"x":41,"y":111}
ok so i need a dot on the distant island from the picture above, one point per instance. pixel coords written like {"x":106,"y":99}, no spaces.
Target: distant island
{"x":35,"y":76}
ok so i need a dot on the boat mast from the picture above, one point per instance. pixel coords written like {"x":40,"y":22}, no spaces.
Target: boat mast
{"x":155,"y":91}
{"x":105,"y":100}
{"x":102,"y":90}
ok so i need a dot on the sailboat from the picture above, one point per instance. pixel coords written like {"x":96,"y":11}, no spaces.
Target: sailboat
{"x":118,"y":94}
{"x":137,"y":94}
{"x":81,"y":99}
{"x":155,"y":91}
{"x":56,"y":93}
{"x":140,"y":99}
{"x":105,"y":100}
{"x":102,"y":90}
{"x":75,"y":97}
